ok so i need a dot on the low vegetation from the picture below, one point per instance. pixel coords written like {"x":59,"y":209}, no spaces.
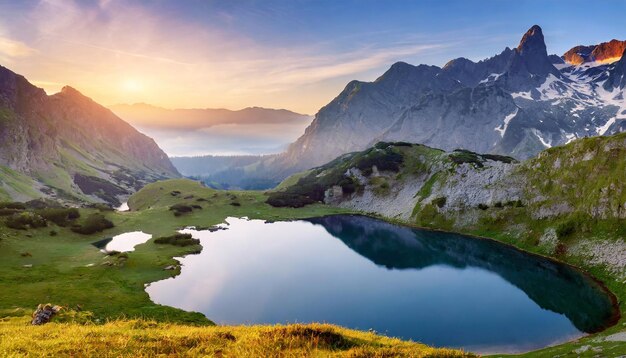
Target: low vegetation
{"x":144,"y":338}
{"x":181,"y":240}
{"x":94,"y":223}
{"x":311,"y":187}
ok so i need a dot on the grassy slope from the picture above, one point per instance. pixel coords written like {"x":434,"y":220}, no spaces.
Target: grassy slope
{"x":14,"y":184}
{"x":145,"y":338}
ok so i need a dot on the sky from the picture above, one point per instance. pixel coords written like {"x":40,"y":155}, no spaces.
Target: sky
{"x":292,"y":54}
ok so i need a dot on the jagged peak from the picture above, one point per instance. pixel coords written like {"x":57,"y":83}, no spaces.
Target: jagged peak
{"x":532,"y":41}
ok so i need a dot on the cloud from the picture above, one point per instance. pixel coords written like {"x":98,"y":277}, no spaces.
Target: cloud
{"x":98,"y":46}
{"x":12,"y":48}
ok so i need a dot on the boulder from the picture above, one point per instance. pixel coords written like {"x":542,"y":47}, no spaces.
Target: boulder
{"x":44,"y":313}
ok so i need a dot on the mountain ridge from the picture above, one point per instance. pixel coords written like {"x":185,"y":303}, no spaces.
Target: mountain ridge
{"x":147,"y":115}
{"x":516,"y":103}
{"x":72,"y":148}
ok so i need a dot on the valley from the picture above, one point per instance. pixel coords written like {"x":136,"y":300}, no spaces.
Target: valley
{"x":455,"y":207}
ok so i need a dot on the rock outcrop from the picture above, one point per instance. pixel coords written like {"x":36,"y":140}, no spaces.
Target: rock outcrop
{"x":44,"y":313}
{"x":605,"y":52}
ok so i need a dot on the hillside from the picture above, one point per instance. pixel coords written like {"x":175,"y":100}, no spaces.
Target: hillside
{"x":68,"y":147}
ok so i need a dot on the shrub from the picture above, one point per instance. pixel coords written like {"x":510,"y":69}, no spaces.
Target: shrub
{"x":178,"y":240}
{"x":498,"y":205}
{"x":235,"y":203}
{"x":14,"y":206}
{"x":482,"y":206}
{"x":25,"y":221}
{"x":7,"y":211}
{"x":566,"y":229}
{"x":53,"y":233}
{"x":514,"y":203}
{"x":384,"y":160}
{"x":59,"y":216}
{"x":348,"y":185}
{"x":92,"y":224}
{"x":460,"y":156}
{"x":440,"y":202}
{"x":286,"y":199}
{"x":560,"y":249}
{"x":499,"y":158}
{"x":180,"y":209}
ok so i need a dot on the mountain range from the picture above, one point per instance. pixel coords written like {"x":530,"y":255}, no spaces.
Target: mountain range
{"x":146,"y":115}
{"x":517,"y":103}
{"x":68,"y":147}
{"x":194,"y":132}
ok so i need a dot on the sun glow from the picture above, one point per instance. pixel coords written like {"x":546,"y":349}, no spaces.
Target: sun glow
{"x":132,"y":85}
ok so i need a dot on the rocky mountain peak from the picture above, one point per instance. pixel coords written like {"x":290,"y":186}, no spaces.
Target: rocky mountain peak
{"x":533,"y":43}
{"x":605,"y":52}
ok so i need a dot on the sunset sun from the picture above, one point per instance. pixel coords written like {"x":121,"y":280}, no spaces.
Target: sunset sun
{"x":132,"y":85}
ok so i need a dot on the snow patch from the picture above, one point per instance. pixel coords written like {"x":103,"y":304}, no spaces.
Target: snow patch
{"x":492,"y":77}
{"x":547,"y":144}
{"x":502,"y":128}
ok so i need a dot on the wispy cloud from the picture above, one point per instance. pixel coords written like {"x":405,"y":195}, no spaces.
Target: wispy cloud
{"x":99,"y":47}
{"x":12,"y":48}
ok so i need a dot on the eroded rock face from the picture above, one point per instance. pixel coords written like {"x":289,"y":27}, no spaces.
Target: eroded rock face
{"x":605,"y":52}
{"x":44,"y":313}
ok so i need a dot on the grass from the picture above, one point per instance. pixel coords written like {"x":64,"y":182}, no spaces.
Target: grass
{"x":141,"y":338}
{"x":20,"y":185}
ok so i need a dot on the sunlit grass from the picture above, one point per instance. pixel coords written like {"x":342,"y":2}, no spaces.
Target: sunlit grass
{"x":139,"y":338}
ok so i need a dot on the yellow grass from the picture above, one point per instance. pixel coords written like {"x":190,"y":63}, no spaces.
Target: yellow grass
{"x":136,"y":338}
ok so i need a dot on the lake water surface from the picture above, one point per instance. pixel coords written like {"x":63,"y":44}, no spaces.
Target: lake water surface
{"x":437,"y":288}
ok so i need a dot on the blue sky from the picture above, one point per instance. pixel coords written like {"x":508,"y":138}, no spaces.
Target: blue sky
{"x":294,"y":54}
{"x":481,"y":28}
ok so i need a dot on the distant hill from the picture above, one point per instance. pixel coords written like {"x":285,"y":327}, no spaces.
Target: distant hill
{"x":226,"y":172}
{"x":145,"y":115}
{"x":67,"y":146}
{"x":192,"y":132}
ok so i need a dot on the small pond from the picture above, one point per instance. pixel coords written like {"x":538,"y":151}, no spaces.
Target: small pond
{"x":438,"y":288}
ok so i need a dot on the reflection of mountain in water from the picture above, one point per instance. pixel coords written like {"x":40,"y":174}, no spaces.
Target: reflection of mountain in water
{"x":553,"y":286}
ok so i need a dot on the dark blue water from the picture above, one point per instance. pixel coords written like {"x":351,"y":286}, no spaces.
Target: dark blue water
{"x":437,"y":288}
